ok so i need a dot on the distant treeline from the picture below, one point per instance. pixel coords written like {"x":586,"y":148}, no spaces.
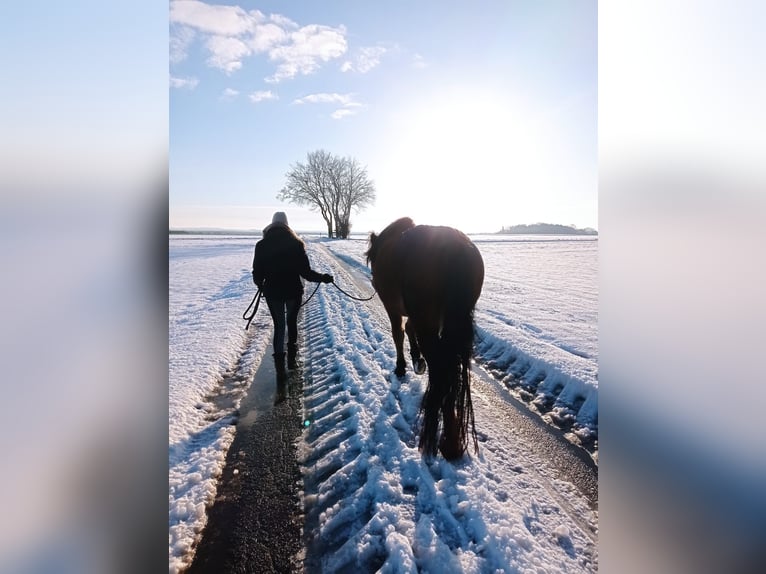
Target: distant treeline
{"x":546,"y":229}
{"x":212,"y":232}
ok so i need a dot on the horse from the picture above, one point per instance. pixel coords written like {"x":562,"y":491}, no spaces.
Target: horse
{"x":433,"y":276}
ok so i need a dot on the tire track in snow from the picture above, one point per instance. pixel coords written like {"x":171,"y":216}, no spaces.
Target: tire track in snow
{"x":371,"y":501}
{"x":546,"y":391}
{"x":337,"y":453}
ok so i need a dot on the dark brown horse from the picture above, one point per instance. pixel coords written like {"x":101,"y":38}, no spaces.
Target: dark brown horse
{"x":433,"y":276}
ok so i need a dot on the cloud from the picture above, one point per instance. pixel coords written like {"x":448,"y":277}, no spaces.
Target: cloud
{"x":213,"y":19}
{"x":419,"y":62}
{"x":364,"y":60}
{"x":232,"y":34}
{"x":226,"y":53}
{"x":349,"y":106}
{"x":261,"y":96}
{"x":342,"y":113}
{"x":185,"y":83}
{"x":306,"y":50}
{"x":268,"y":35}
{"x":229,"y":94}
{"x":282,"y":21}
{"x":179,"y":44}
{"x":325,"y":98}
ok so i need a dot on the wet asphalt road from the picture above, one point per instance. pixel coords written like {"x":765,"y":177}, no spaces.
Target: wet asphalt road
{"x":256,"y":523}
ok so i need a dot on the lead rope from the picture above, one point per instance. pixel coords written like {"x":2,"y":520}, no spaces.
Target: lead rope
{"x":310,"y":296}
{"x":257,"y":301}
{"x":351,"y":296}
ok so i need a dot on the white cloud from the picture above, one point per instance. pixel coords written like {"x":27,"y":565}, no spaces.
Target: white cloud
{"x":325,"y":98}
{"x":283,"y":21}
{"x":261,"y":96}
{"x":342,"y":113}
{"x":364,"y":60}
{"x":308,"y":48}
{"x":266,"y":36}
{"x":227,"y":53}
{"x":213,"y":19}
{"x":229,"y":94}
{"x":179,"y":44}
{"x":349,"y":105}
{"x":185,"y":83}
{"x":419,"y":62}
{"x":233,"y":33}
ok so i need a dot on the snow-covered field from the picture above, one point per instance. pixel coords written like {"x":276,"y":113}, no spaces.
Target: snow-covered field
{"x":369,"y":497}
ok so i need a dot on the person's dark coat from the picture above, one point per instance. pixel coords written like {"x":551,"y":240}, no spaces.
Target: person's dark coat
{"x":279,"y":262}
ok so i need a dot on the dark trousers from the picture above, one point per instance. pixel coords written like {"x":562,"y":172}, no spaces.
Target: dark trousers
{"x":284,"y":313}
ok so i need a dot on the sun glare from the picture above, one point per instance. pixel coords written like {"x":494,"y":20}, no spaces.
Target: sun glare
{"x":466,"y":160}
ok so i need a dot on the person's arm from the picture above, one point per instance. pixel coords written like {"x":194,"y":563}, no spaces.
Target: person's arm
{"x":309,"y":274}
{"x":258,"y":274}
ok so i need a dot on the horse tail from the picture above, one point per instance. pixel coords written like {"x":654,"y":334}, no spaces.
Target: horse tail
{"x":449,"y":389}
{"x":456,"y":349}
{"x":448,"y":347}
{"x":431,"y":405}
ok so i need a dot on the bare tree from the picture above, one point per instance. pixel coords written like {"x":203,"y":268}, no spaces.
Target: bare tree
{"x":354,"y":191}
{"x":308,"y":184}
{"x":332,"y":185}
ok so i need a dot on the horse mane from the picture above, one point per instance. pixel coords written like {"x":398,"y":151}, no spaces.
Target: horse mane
{"x":393,"y":230}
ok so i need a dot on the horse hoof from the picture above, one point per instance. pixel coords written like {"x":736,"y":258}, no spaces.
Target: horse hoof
{"x":419,"y":366}
{"x":450,"y":447}
{"x":451,"y":452}
{"x":400,"y":371}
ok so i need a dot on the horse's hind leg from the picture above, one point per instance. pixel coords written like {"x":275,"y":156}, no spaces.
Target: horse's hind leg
{"x":450,"y":445}
{"x":418,"y":362}
{"x":397,"y":332}
{"x":433,"y":398}
{"x":443,"y":387}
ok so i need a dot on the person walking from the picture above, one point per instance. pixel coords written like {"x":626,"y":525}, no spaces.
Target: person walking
{"x":279,"y":262}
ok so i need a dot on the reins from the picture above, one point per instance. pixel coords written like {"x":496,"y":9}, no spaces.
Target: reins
{"x":258,"y":295}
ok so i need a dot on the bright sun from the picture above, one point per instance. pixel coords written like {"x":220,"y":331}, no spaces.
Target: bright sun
{"x":465,"y":159}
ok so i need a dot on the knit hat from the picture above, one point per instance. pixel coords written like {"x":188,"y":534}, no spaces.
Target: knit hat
{"x":279,"y":220}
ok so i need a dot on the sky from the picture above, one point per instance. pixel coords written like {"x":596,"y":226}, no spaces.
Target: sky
{"x":476,"y":116}
{"x":501,"y":510}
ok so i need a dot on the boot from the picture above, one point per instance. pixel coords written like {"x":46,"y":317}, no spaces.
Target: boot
{"x":292,"y":356}
{"x":279,"y":363}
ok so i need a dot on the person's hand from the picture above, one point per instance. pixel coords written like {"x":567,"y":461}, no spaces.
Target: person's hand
{"x":327,"y":278}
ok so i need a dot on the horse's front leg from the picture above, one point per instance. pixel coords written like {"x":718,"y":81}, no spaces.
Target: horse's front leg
{"x":418,"y":362}
{"x":397,"y":332}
